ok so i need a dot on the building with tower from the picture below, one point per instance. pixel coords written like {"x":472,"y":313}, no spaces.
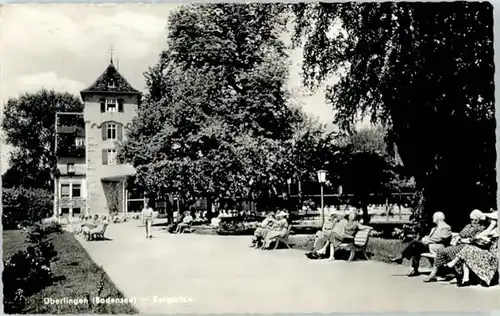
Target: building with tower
{"x":89,"y":179}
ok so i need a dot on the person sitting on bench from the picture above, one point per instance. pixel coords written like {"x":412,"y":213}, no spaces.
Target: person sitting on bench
{"x":261,"y":231}
{"x":186,"y":222}
{"x":438,"y":238}
{"x":445,"y":255}
{"x":322,"y":237}
{"x":480,"y":257}
{"x":345,"y":233}
{"x":280,"y":229}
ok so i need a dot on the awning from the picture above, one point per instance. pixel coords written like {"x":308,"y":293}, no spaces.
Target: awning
{"x":122,"y":173}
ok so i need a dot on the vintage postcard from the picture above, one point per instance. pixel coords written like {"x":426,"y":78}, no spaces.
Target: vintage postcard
{"x":249,"y":158}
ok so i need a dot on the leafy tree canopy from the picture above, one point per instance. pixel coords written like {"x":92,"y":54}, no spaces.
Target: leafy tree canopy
{"x":424,"y":70}
{"x":216,"y":121}
{"x":29,"y":126}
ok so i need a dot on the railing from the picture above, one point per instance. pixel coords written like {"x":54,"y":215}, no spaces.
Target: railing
{"x":72,"y":202}
{"x":70,"y":151}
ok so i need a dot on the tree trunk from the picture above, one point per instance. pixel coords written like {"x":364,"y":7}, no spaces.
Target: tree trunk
{"x":366,"y":216}
{"x":170,"y":209}
{"x":210,"y":214}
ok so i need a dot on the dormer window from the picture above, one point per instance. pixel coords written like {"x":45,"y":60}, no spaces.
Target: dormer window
{"x":111,"y":105}
{"x":111,"y":84}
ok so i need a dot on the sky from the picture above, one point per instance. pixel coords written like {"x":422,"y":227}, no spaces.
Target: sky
{"x":65,"y":47}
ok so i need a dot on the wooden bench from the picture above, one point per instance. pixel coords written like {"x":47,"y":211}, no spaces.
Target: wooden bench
{"x":358,"y":245}
{"x":283,"y":240}
{"x":186,"y":229}
{"x":97,"y":233}
{"x":432,"y":256}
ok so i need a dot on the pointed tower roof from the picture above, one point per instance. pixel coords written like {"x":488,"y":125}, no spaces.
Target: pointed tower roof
{"x":110,"y":81}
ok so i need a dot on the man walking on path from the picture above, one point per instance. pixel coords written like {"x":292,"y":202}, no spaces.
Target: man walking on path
{"x":147,"y":217}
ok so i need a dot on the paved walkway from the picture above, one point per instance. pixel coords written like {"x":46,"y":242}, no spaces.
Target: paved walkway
{"x":219,"y":274}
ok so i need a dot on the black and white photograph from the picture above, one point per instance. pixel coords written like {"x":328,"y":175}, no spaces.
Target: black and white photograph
{"x":252,"y":157}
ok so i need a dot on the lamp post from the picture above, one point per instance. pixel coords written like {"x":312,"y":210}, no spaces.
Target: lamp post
{"x":322,"y":180}
{"x":289,"y":202}
{"x":251,"y":195}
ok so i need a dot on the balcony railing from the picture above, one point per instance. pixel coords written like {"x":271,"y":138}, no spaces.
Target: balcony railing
{"x":70,"y":151}
{"x":72,"y":202}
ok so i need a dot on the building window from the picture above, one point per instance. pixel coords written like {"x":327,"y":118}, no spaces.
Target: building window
{"x":111,"y":84}
{"x":111,"y":131}
{"x":76,"y":190}
{"x":111,"y":105}
{"x":112,"y":157}
{"x":64,"y":210}
{"x":77,"y":211}
{"x":79,"y":142}
{"x":71,"y":168}
{"x":65,"y":191}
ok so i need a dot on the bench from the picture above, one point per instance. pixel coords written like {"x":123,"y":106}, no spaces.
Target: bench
{"x":283,"y":240}
{"x":186,"y":229}
{"x":358,"y":245}
{"x":97,"y":232}
{"x":432,"y":256}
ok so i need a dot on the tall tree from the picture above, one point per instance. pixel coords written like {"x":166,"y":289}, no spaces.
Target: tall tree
{"x":425,"y":70}
{"x":365,"y":168}
{"x":29,"y":126}
{"x":215,"y":122}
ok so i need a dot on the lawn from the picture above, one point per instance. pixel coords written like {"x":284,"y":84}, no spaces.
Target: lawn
{"x":77,"y":276}
{"x":13,"y":241}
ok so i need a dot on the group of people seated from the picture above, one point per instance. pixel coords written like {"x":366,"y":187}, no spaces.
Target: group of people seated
{"x":340,"y":227}
{"x":88,"y":223}
{"x":474,"y":250}
{"x":93,"y":221}
{"x":329,"y":209}
{"x":272,"y":227}
{"x":471,"y":253}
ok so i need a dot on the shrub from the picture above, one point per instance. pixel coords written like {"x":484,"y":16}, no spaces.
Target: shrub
{"x":39,"y":232}
{"x":25,"y":206}
{"x":406,"y":233}
{"x":29,"y":271}
{"x":26,"y":273}
{"x":234,"y":228}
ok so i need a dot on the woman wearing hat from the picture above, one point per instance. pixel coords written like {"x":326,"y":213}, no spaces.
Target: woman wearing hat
{"x":480,"y":257}
{"x":279,"y":229}
{"x":444,"y":255}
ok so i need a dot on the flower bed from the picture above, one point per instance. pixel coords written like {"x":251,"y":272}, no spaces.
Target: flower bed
{"x":236,"y":228}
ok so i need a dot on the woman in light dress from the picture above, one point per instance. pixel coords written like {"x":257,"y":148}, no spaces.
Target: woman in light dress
{"x":479,"y":257}
{"x":279,"y":229}
{"x":444,"y":255}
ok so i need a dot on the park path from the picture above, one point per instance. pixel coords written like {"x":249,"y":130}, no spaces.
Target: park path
{"x":221,"y":274}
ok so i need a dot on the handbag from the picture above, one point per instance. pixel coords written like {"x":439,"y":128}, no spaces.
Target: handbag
{"x":483,"y":243}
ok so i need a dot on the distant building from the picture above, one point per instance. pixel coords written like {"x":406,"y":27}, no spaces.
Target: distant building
{"x":70,"y":198}
{"x":89,"y":179}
